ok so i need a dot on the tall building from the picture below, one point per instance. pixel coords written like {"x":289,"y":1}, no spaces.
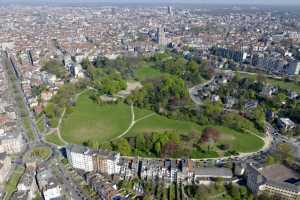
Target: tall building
{"x":294,"y":68}
{"x":107,"y":162}
{"x":161,"y":37}
{"x":80,"y":157}
{"x":170,"y":10}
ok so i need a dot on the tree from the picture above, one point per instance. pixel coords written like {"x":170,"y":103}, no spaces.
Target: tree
{"x":121,"y":145}
{"x":148,"y":197}
{"x":243,"y":191}
{"x":270,"y":160}
{"x":172,"y":192}
{"x":210,"y":134}
{"x":55,"y":67}
{"x":259,"y":116}
{"x":234,"y":192}
{"x":140,"y":142}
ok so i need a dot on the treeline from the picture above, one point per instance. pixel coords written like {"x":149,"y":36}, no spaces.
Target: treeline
{"x":64,"y":98}
{"x":161,"y":95}
{"x":192,"y":70}
{"x":55,"y":67}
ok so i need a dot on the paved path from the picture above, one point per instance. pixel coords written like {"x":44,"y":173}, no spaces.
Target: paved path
{"x":58,"y":127}
{"x":133,"y":122}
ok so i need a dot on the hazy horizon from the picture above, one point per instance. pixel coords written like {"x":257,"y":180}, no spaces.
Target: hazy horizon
{"x":245,"y":2}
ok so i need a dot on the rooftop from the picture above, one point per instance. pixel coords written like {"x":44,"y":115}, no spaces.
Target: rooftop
{"x":280,"y":173}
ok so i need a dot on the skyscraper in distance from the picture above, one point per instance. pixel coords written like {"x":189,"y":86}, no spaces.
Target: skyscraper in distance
{"x":170,"y":10}
{"x":161,"y":37}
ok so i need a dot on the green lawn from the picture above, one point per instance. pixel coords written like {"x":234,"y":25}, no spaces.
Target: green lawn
{"x":11,"y":185}
{"x":41,"y":152}
{"x":157,"y":123}
{"x":241,"y":142}
{"x":146,"y":72}
{"x":41,"y":124}
{"x":288,"y":85}
{"x":92,"y":122}
{"x":283,"y":84}
{"x":53,"y":138}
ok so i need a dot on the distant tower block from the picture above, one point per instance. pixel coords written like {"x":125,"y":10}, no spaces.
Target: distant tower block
{"x":161,"y":37}
{"x":170,"y":10}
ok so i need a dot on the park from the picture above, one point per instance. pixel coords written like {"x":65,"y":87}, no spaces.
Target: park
{"x":104,"y":123}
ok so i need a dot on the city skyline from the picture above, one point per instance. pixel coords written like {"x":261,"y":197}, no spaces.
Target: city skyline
{"x":240,"y":2}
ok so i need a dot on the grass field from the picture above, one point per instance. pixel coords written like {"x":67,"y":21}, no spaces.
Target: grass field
{"x":92,"y":122}
{"x":53,"y":138}
{"x":11,"y":185}
{"x":288,"y":85}
{"x":283,"y":84}
{"x":41,"y":124}
{"x":41,"y":152}
{"x":146,"y":72}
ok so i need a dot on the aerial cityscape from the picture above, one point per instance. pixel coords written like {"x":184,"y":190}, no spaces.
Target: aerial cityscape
{"x":149,"y":100}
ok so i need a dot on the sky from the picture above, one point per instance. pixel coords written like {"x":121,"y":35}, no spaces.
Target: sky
{"x":268,"y":2}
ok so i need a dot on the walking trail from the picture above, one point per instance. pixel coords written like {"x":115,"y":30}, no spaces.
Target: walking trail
{"x":133,"y":122}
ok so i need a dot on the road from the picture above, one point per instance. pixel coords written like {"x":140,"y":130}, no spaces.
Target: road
{"x":194,"y":91}
{"x":70,"y":186}
{"x":39,"y":140}
{"x":268,"y":139}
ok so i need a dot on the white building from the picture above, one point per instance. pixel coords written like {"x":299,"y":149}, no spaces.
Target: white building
{"x":53,"y":191}
{"x":80,"y":157}
{"x":49,"y":185}
{"x":112,"y":166}
{"x":286,"y":124}
{"x":11,"y":143}
{"x":294,"y":68}
{"x":5,"y":167}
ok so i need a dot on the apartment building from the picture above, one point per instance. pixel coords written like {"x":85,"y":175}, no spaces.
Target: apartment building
{"x":5,"y":167}
{"x":80,"y":157}
{"x":276,"y":180}
{"x":11,"y":143}
{"x":107,"y":162}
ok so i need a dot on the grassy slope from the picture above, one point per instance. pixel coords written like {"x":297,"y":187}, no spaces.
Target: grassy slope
{"x":90,"y":121}
{"x":287,"y":85}
{"x":12,"y":183}
{"x":146,"y":72}
{"x":42,"y":152}
{"x":53,"y":138}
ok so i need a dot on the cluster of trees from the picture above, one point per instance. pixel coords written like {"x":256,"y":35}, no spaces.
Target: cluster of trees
{"x":106,"y":80}
{"x":237,"y":122}
{"x":169,"y":144}
{"x":192,"y":71}
{"x":210,"y":135}
{"x":62,"y":99}
{"x":162,"y":94}
{"x":292,"y":111}
{"x":152,"y":189}
{"x":283,"y":154}
{"x":37,"y":90}
{"x":165,"y":144}
{"x":55,"y":67}
{"x":218,"y":190}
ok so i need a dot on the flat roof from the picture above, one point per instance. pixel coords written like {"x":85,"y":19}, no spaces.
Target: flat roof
{"x":279,"y":173}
